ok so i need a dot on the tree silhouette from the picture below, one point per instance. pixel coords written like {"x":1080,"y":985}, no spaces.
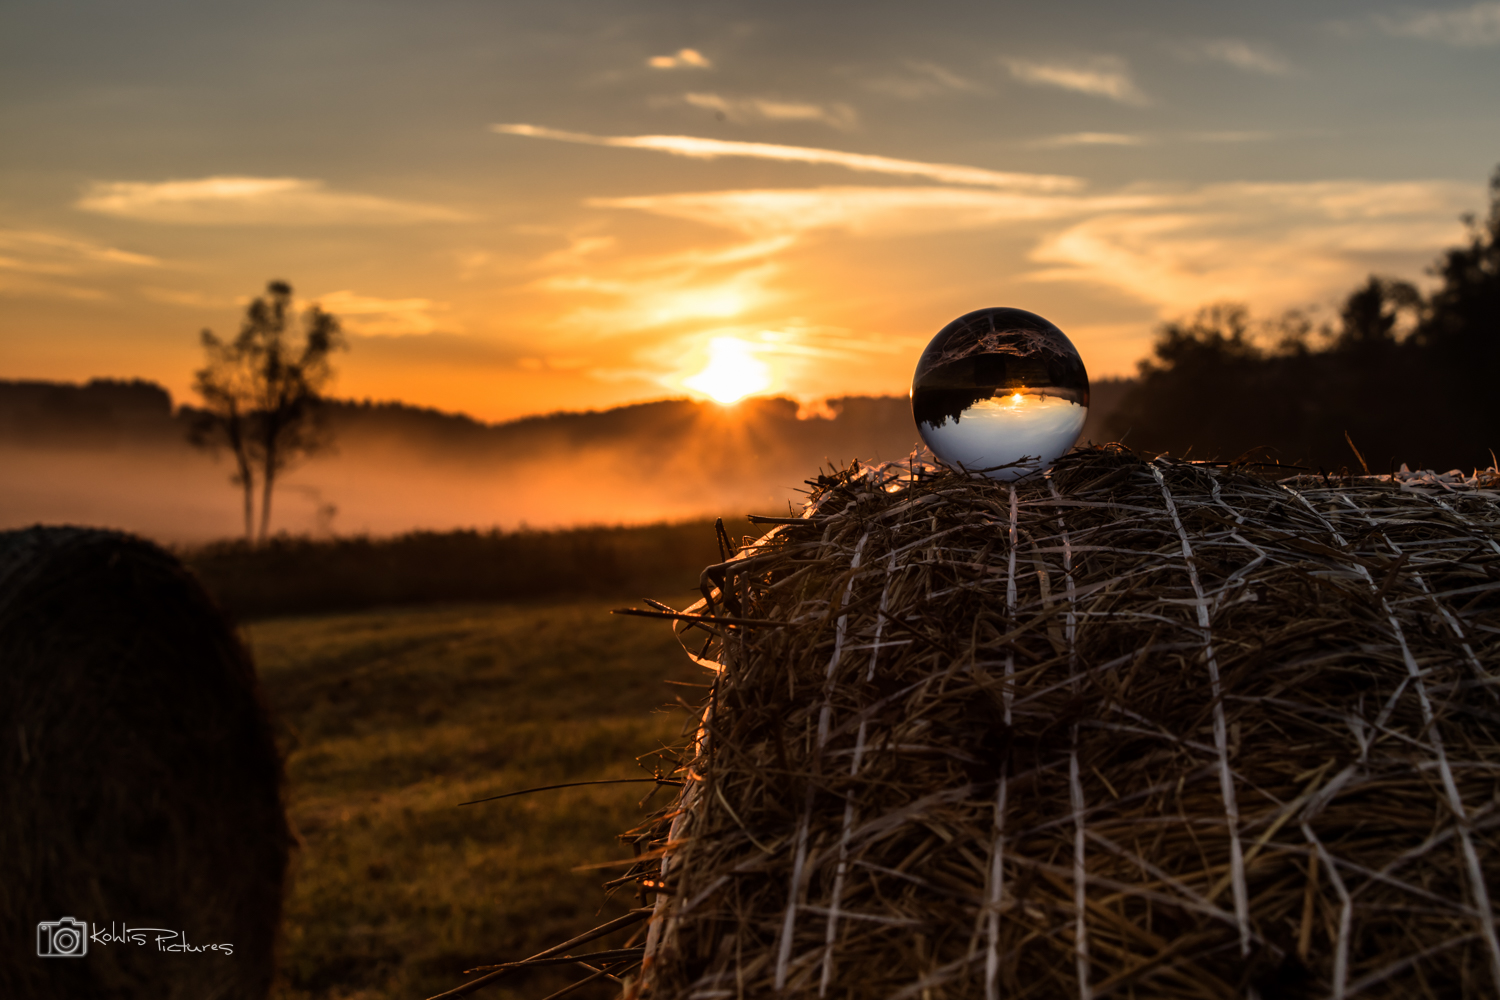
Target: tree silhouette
{"x":262,"y":392}
{"x":1370,"y":314}
{"x":1402,"y":377}
{"x":1460,"y":328}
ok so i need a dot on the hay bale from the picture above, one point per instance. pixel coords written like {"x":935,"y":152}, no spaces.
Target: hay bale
{"x":1142,"y":729}
{"x":140,"y":783}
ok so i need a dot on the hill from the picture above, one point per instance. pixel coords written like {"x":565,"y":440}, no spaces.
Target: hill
{"x":115,"y":453}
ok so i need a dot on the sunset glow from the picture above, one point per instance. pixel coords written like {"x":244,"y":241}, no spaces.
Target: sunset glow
{"x":519,"y":208}
{"x":732,"y":373}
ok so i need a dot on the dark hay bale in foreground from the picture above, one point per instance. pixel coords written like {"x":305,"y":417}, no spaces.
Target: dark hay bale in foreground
{"x":139,"y":781}
{"x":1145,"y":729}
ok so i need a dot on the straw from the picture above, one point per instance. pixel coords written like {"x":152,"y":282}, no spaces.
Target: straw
{"x":1144,"y":728}
{"x":1139,"y":728}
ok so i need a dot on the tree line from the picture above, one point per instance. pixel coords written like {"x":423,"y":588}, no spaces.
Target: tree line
{"x":1400,"y":377}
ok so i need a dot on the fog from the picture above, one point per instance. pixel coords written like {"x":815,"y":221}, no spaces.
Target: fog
{"x":116,"y":455}
{"x":180,"y":496}
{"x":384,"y":482}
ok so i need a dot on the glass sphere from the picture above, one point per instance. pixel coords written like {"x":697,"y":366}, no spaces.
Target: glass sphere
{"x":1000,"y":391}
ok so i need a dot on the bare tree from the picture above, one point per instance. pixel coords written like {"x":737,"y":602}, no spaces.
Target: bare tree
{"x":262,"y":393}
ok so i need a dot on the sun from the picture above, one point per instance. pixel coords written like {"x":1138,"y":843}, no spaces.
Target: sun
{"x":732,"y":373}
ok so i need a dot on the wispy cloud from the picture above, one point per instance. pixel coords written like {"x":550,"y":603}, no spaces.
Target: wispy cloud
{"x":605,"y":305}
{"x":709,"y":149}
{"x":1274,"y":244}
{"x":369,"y":316}
{"x":361,"y":315}
{"x":1462,"y":27}
{"x":40,"y":264}
{"x":1069,"y":139}
{"x":1277,"y":245}
{"x":187,"y":299}
{"x":51,"y":253}
{"x":1237,"y":53}
{"x":681,"y":59}
{"x":921,"y":79}
{"x":697,"y":260}
{"x":1155,"y":250}
{"x":1087,"y":139}
{"x":865,"y":211}
{"x":681,"y":296}
{"x":234,"y":200}
{"x":749,"y":109}
{"x":1102,"y":76}
{"x":580,"y":249}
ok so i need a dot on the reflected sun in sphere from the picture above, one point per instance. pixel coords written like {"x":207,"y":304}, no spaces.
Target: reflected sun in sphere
{"x":732,"y":373}
{"x":1000,"y":391}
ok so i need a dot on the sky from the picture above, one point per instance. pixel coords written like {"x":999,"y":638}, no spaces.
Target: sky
{"x":525,"y":207}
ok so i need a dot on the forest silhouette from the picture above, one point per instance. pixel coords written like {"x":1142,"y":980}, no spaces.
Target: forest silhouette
{"x":1401,"y":378}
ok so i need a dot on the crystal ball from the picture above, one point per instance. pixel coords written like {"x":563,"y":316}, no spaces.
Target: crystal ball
{"x":1000,"y":391}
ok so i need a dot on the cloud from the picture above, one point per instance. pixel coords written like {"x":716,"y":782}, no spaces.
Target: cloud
{"x":747,"y":109}
{"x":50,"y":253}
{"x":1087,"y":139}
{"x":368,"y":316}
{"x":921,"y":79}
{"x":1237,"y":53}
{"x":685,"y":58}
{"x":40,"y":264}
{"x":1462,"y":27}
{"x":232,"y":200}
{"x":1276,"y":245}
{"x":22,"y":284}
{"x":605,"y":295}
{"x":578,"y":250}
{"x":190,"y":300}
{"x":709,"y":149}
{"x":626,"y":303}
{"x":1070,"y":139}
{"x":361,"y":315}
{"x":697,"y":259}
{"x":1104,"y":76}
{"x":864,"y":211}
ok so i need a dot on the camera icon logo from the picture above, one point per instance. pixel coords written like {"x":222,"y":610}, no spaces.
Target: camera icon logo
{"x":65,"y":938}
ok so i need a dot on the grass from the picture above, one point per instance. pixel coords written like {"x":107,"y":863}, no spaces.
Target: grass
{"x":303,"y":576}
{"x":389,"y":719}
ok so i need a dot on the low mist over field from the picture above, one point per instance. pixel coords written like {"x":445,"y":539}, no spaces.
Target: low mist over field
{"x":117,"y":454}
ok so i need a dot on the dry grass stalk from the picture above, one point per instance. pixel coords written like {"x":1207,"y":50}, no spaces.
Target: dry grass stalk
{"x":1141,"y":729}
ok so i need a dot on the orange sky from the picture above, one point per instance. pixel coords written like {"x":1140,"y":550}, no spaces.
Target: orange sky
{"x":521,"y":208}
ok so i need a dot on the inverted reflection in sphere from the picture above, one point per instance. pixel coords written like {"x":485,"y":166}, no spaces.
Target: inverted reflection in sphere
{"x":1000,"y":391}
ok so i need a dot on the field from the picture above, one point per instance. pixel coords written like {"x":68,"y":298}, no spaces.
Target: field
{"x":389,"y":719}
{"x":300,"y":576}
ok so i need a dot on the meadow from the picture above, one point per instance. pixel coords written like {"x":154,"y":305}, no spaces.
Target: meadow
{"x":390,"y":718}
{"x":297,"y":575}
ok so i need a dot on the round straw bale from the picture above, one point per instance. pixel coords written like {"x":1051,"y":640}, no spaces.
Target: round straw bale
{"x":140,"y":783}
{"x":1141,"y":728}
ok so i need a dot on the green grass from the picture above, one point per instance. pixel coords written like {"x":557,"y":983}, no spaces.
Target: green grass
{"x":389,"y":719}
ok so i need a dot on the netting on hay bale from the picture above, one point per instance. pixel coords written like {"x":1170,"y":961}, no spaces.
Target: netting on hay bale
{"x":1140,"y":729}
